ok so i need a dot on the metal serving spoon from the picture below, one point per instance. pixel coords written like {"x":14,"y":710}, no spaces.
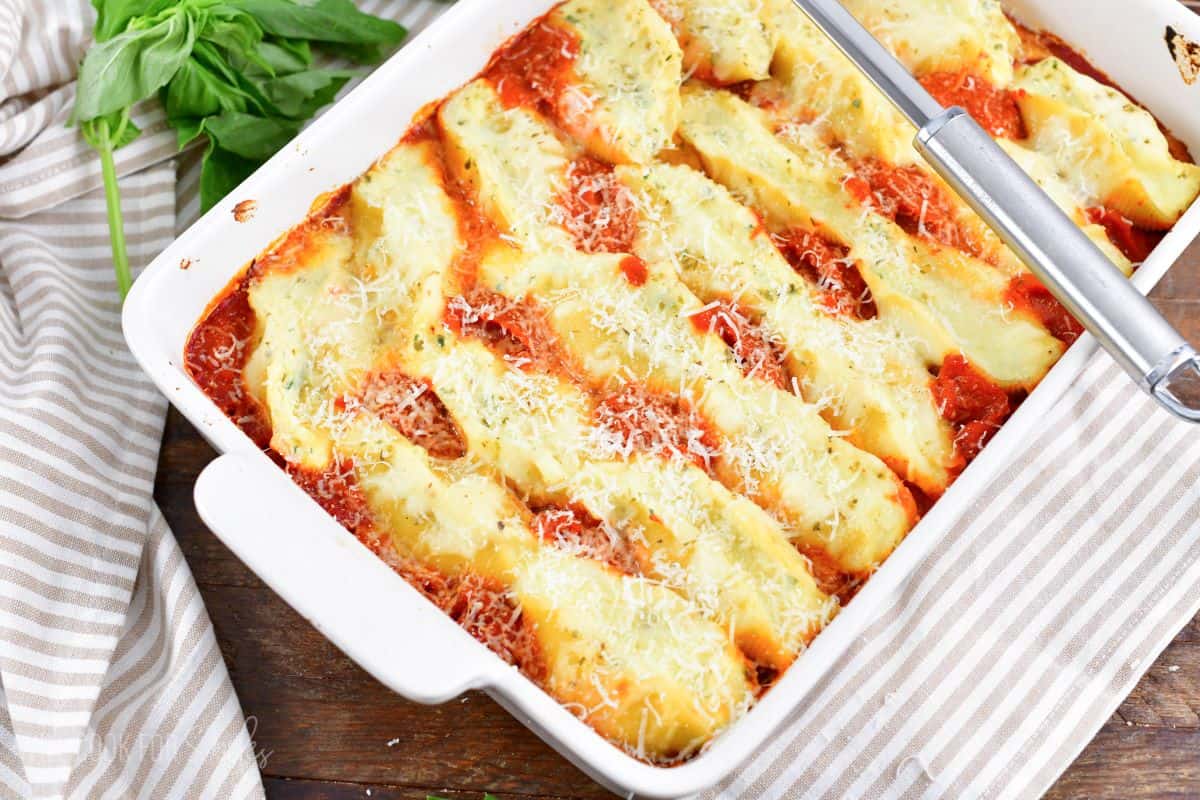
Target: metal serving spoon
{"x":1070,"y":265}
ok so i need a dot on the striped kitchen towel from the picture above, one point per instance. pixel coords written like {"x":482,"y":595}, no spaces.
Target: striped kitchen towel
{"x":984,"y":676}
{"x":111,"y":681}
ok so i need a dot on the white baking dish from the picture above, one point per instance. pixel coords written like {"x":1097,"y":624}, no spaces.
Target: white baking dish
{"x":357,"y":601}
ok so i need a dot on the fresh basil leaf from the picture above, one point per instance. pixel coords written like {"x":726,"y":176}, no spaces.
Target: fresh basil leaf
{"x":113,"y":15}
{"x":249,"y":136}
{"x":132,"y":66}
{"x":358,"y":53}
{"x":269,"y":60}
{"x":322,"y":21}
{"x":302,"y":94}
{"x":220,"y":173}
{"x":234,"y":77}
{"x":237,"y":34}
{"x":186,"y":129}
{"x":196,"y":91}
{"x":212,"y":58}
{"x":290,"y":51}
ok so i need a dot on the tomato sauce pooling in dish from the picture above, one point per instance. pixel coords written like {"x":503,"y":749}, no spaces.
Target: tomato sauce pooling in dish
{"x":971,"y":402}
{"x":598,"y":210}
{"x":215,"y":356}
{"x":827,"y":264}
{"x":638,"y":420}
{"x":534,"y":67}
{"x":994,"y":109}
{"x":1027,"y":292}
{"x":1136,"y":243}
{"x":412,"y":407}
{"x":518,"y":330}
{"x":913,"y":200}
{"x":756,"y":355}
{"x":575,"y":530}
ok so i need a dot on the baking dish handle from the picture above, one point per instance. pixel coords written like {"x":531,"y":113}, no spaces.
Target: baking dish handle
{"x":336,"y":583}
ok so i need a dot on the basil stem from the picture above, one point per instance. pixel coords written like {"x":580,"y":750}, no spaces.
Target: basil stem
{"x":112,"y":201}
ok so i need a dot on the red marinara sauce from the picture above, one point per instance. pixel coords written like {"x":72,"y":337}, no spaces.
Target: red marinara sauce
{"x":575,"y":530}
{"x":994,"y":109}
{"x":913,"y":200}
{"x":535,"y":66}
{"x":337,"y":491}
{"x":971,"y":402}
{"x":829,"y":577}
{"x":1026,"y":292}
{"x":412,"y":407}
{"x":1136,"y":243}
{"x":827,"y":264}
{"x":484,"y":608}
{"x":634,"y":270}
{"x":753,"y":350}
{"x":598,"y":210}
{"x":517,"y":329}
{"x":640,"y":420}
{"x":215,"y":356}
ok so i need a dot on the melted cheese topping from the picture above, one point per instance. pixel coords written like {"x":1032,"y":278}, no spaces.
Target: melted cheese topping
{"x":866,"y":377}
{"x":1104,"y":144}
{"x":947,"y":301}
{"x":724,"y":41}
{"x":625,"y":104}
{"x":488,"y":358}
{"x":944,"y":35}
{"x":813,"y":81}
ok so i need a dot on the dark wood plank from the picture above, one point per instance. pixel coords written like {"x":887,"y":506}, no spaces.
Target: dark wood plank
{"x":314,"y":713}
{"x":299,"y":789}
{"x":1181,"y":284}
{"x":1158,"y":763}
{"x":1168,"y":695}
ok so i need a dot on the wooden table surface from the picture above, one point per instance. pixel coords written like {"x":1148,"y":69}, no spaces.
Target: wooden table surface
{"x":323,"y":728}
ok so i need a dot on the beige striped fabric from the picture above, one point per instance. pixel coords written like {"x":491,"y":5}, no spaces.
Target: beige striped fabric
{"x":984,"y":676}
{"x":111,"y":681}
{"x":107,"y":658}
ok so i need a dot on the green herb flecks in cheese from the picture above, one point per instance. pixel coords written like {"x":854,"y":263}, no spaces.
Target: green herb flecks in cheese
{"x":724,"y":41}
{"x":626,"y":106}
{"x":630,"y":657}
{"x":1066,"y":196}
{"x":812,"y":81}
{"x":946,"y":301}
{"x":314,"y":345}
{"x":326,"y":306}
{"x":513,"y":161}
{"x":774,"y":446}
{"x":634,"y":659}
{"x":1106,"y":146}
{"x":944,"y":35}
{"x":536,"y":430}
{"x":865,"y":375}
{"x":617,"y":332}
